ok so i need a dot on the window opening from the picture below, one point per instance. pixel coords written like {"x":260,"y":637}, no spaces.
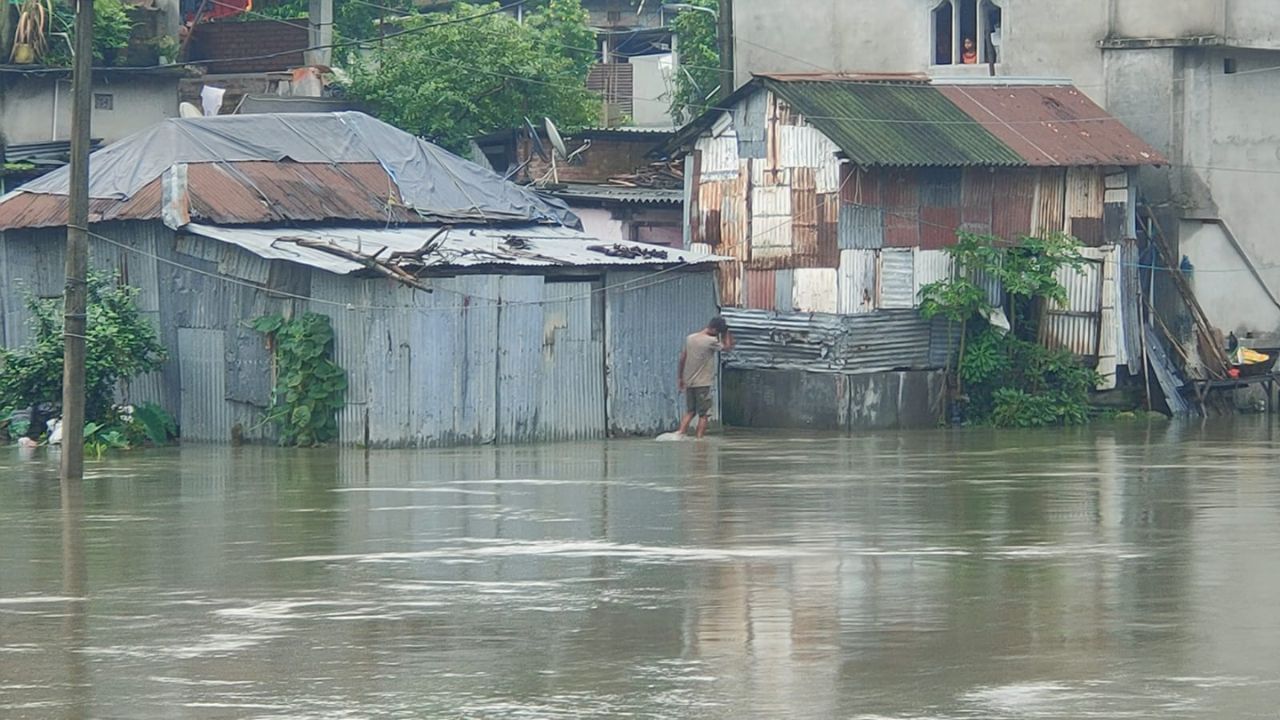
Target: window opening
{"x":992,"y":34}
{"x":943,"y":30}
{"x":966,"y":32}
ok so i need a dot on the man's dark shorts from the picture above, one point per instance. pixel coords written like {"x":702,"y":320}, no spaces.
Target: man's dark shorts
{"x":698,"y":400}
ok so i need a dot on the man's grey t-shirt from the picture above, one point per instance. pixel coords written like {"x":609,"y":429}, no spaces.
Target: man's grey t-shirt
{"x":700,"y":359}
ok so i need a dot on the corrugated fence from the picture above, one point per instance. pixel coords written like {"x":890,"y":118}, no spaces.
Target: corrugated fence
{"x":854,"y":344}
{"x":482,"y":359}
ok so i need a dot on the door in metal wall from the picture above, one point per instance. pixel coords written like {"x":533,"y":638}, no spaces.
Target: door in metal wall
{"x":203,"y":372}
{"x":573,"y":392}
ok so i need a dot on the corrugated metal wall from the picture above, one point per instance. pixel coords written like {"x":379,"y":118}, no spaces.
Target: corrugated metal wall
{"x":762,"y":289}
{"x":719,"y":156}
{"x":1013,"y":202}
{"x":867,"y":343}
{"x":1074,"y":326}
{"x":815,"y":290}
{"x":1091,"y":323}
{"x":977,"y":196}
{"x":520,"y":327}
{"x":1085,"y":197}
{"x":475,"y":372}
{"x":858,"y":281}
{"x":424,"y":369}
{"x":897,"y":278}
{"x":1048,"y":214}
{"x":932,"y":266}
{"x":351,"y":330}
{"x":206,"y":415}
{"x":784,"y":290}
{"x":573,"y":404}
{"x":646,"y":322}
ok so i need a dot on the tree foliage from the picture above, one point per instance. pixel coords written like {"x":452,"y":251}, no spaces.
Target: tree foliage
{"x":119,"y":344}
{"x":112,"y":27}
{"x":698,"y":47}
{"x":453,"y":82}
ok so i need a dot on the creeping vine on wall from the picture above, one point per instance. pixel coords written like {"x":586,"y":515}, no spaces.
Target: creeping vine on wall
{"x":310,"y":387}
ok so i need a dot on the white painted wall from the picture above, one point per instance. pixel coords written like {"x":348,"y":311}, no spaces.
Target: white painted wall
{"x":652,"y":89}
{"x":1223,"y":284}
{"x":1039,"y":38}
{"x":600,"y":224}
{"x":1231,"y":170}
{"x":29,"y":111}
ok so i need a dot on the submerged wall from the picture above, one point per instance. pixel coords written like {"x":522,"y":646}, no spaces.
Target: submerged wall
{"x":834,"y":401}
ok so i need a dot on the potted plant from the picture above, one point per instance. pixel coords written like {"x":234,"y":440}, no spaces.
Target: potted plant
{"x":167,"y":47}
{"x":29,"y":41}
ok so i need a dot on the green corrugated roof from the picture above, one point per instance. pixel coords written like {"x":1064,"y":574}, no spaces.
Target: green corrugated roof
{"x":861,"y":118}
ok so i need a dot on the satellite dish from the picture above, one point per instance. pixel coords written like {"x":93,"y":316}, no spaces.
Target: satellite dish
{"x":187,"y":110}
{"x":557,"y":142}
{"x":537,"y":141}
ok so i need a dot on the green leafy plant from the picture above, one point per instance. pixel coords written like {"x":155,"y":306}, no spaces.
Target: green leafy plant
{"x":310,"y":387}
{"x":698,"y":75}
{"x":99,"y":438}
{"x":450,"y":83}
{"x":152,"y":423}
{"x":112,"y":27}
{"x":119,"y":342}
{"x":1005,"y":377}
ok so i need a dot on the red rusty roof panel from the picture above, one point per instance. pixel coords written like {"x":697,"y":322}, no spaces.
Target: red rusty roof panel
{"x":241,"y":193}
{"x":260,"y":192}
{"x":1052,"y":125}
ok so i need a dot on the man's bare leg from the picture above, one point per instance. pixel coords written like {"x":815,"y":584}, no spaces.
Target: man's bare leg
{"x":684,"y":423}
{"x":702,"y":426}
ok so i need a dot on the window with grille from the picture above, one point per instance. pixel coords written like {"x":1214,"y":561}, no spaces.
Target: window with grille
{"x":966,"y":32}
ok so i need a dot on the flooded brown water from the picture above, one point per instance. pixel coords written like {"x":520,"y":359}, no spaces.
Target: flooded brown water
{"x":1116,"y":572}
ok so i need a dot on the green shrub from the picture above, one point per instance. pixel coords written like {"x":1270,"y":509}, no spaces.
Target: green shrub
{"x":119,"y":344}
{"x":1005,"y":378}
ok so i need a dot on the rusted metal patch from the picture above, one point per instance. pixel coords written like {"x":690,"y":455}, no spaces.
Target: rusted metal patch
{"x":1014,"y":197}
{"x":938,"y":226}
{"x":762,"y":289}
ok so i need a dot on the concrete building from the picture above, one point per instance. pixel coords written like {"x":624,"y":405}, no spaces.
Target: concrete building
{"x":35,"y":102}
{"x":635,"y":72}
{"x":1195,"y":78}
{"x":465,"y":309}
{"x":836,"y":197}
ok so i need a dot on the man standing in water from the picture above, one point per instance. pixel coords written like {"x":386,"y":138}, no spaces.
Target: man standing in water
{"x":699,"y":363}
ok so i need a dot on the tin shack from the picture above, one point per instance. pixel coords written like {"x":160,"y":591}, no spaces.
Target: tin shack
{"x":836,"y":196}
{"x":466,"y":309}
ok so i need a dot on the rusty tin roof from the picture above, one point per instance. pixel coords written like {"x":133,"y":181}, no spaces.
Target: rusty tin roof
{"x":911,"y":121}
{"x":1052,"y":125}
{"x":297,"y":167}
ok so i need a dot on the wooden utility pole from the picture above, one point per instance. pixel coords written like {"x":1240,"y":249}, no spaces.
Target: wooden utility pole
{"x":76,"y":297}
{"x":724,"y":33}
